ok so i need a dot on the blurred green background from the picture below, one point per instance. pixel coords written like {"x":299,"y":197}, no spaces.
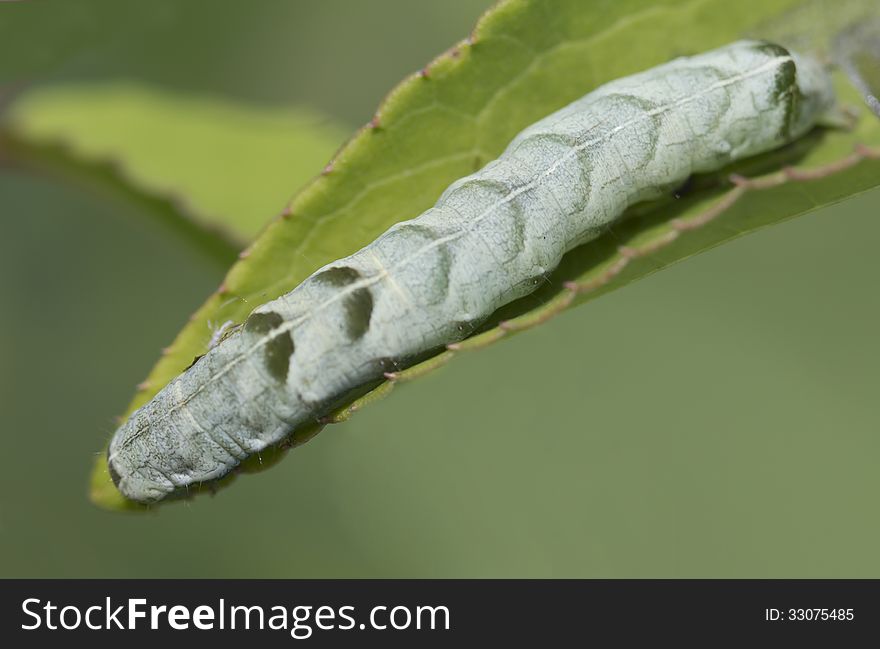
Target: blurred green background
{"x":718,"y":419}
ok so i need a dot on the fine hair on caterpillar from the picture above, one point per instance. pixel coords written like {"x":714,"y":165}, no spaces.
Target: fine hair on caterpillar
{"x":490,"y":238}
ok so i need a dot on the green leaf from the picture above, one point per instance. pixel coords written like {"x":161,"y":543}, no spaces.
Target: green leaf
{"x":226,"y":166}
{"x":523,"y":60}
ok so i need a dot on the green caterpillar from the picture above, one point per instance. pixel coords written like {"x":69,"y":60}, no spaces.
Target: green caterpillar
{"x":427,"y":282}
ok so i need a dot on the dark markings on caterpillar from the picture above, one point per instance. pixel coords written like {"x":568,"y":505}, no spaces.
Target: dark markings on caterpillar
{"x":772,"y":49}
{"x":338,"y":276}
{"x":278,"y":353}
{"x":785,"y":85}
{"x":358,"y":311}
{"x":278,"y":349}
{"x":788,"y":94}
{"x":358,"y":305}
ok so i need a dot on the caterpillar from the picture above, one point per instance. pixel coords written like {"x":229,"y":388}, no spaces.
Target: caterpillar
{"x":488,"y":240}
